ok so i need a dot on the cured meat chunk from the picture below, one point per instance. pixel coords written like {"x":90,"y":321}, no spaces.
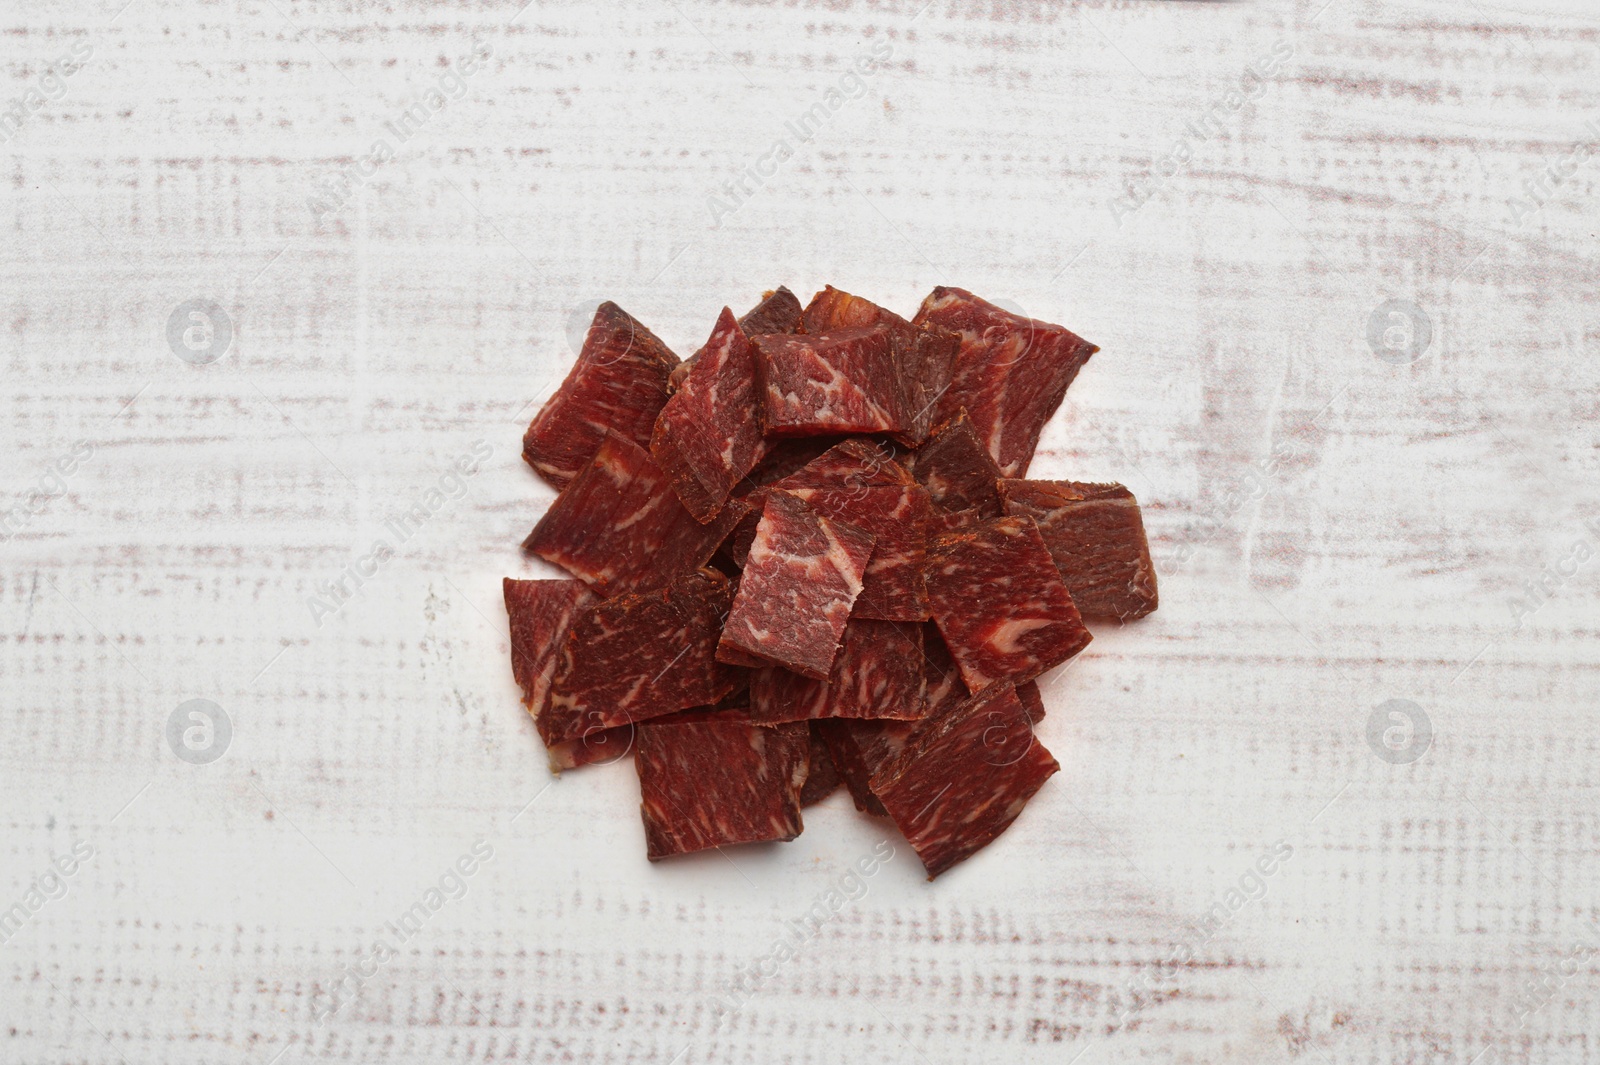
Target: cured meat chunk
{"x":778,"y":312}
{"x":1032,"y":700}
{"x":541,"y":613}
{"x":1010,"y":374}
{"x":620,"y":527}
{"x":640,"y":656}
{"x":860,"y":749}
{"x":799,"y":585}
{"x":710,"y":783}
{"x":1096,"y":535}
{"x":924,"y":358}
{"x":963,"y":777}
{"x":618,"y":385}
{"x":822,"y":778}
{"x":1000,"y":603}
{"x":840,"y":382}
{"x":708,"y":435}
{"x":958,"y":472}
{"x":879,"y":672}
{"x":946,"y":688}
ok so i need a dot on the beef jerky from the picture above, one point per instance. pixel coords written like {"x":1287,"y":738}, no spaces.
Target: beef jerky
{"x":711,"y":783}
{"x":840,"y":382}
{"x":879,"y":672}
{"x":1032,"y":700}
{"x":619,"y":526}
{"x":618,"y":384}
{"x":708,"y":436}
{"x":963,"y":777}
{"x":799,"y":585}
{"x":924,"y":358}
{"x":859,"y":749}
{"x":1010,"y":375}
{"x":599,"y":747}
{"x":1096,"y":536}
{"x":1000,"y":603}
{"x":541,"y":614}
{"x":822,"y":776}
{"x":634,"y":657}
{"x":778,"y":312}
{"x":957,"y":471}
{"x":946,"y":688}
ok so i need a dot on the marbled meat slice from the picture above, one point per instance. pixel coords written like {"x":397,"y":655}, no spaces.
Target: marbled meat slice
{"x":1010,"y":375}
{"x":798,"y":587}
{"x":710,"y":783}
{"x":963,"y":777}
{"x":946,"y":688}
{"x":925,"y":358}
{"x":957,"y":470}
{"x":778,"y":312}
{"x":1096,"y":535}
{"x":822,"y":776}
{"x":859,"y":749}
{"x":618,"y":384}
{"x":879,"y":672}
{"x":1000,"y":603}
{"x":840,"y":382}
{"x":708,"y":436}
{"x":600,"y":747}
{"x":620,"y":527}
{"x":541,"y":614}
{"x":635,"y":657}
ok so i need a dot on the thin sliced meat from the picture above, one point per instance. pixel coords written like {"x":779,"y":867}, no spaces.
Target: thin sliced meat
{"x":1010,"y":375}
{"x":620,"y":527}
{"x":860,"y":749}
{"x":618,"y":385}
{"x":1095,"y":533}
{"x":946,"y":688}
{"x":956,"y":469}
{"x":721,"y":781}
{"x":778,"y":312}
{"x":798,"y":587}
{"x":879,"y":672}
{"x":601,"y":747}
{"x":1000,"y":602}
{"x":635,"y":657}
{"x":822,"y":776}
{"x":963,"y":777}
{"x":541,"y":614}
{"x":708,"y":436}
{"x":839,"y":382}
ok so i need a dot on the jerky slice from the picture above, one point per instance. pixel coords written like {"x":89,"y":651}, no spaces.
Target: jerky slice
{"x":620,"y":527}
{"x":879,"y":672}
{"x":839,"y":382}
{"x":708,"y":435}
{"x":778,"y":312}
{"x":860,"y":749}
{"x":713,"y":782}
{"x":799,"y":585}
{"x":640,"y":656}
{"x":957,"y":470}
{"x":822,"y":776}
{"x":946,"y":688}
{"x":1000,"y":602}
{"x":1010,"y":375}
{"x":541,"y":613}
{"x":1096,"y":536}
{"x":619,"y":383}
{"x":963,"y":777}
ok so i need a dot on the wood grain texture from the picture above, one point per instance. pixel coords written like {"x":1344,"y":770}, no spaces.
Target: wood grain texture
{"x":1332,"y":529}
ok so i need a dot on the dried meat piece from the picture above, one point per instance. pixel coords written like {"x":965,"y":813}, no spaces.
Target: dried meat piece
{"x":1032,"y":700}
{"x":822,"y":776}
{"x":708,"y":436}
{"x":1000,"y":603}
{"x":711,"y":783}
{"x":840,"y":382}
{"x":963,"y":777}
{"x":879,"y":672}
{"x":860,"y":749}
{"x":799,"y":585}
{"x":946,"y":688}
{"x":778,"y":312}
{"x":621,"y":528}
{"x":618,"y":384}
{"x":957,"y":470}
{"x":1096,"y":536}
{"x":635,"y":657}
{"x":541,"y":614}
{"x":1010,"y":376}
{"x":600,"y":747}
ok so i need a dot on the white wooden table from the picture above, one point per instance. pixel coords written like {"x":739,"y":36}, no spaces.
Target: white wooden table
{"x":1342,"y":517}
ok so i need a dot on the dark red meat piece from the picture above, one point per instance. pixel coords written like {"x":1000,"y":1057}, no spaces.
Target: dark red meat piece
{"x":799,"y":584}
{"x":600,"y":747}
{"x":618,"y":384}
{"x":879,"y":672}
{"x":1000,"y":602}
{"x":710,"y":783}
{"x":1096,"y":535}
{"x":778,"y":312}
{"x":620,"y":527}
{"x":1032,"y":700}
{"x":957,"y":471}
{"x":840,"y":382}
{"x":635,"y":657}
{"x":963,"y":777}
{"x":859,"y":749}
{"x":708,"y":435}
{"x":541,"y":614}
{"x":1010,"y":374}
{"x":822,"y":778}
{"x":946,"y":688}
